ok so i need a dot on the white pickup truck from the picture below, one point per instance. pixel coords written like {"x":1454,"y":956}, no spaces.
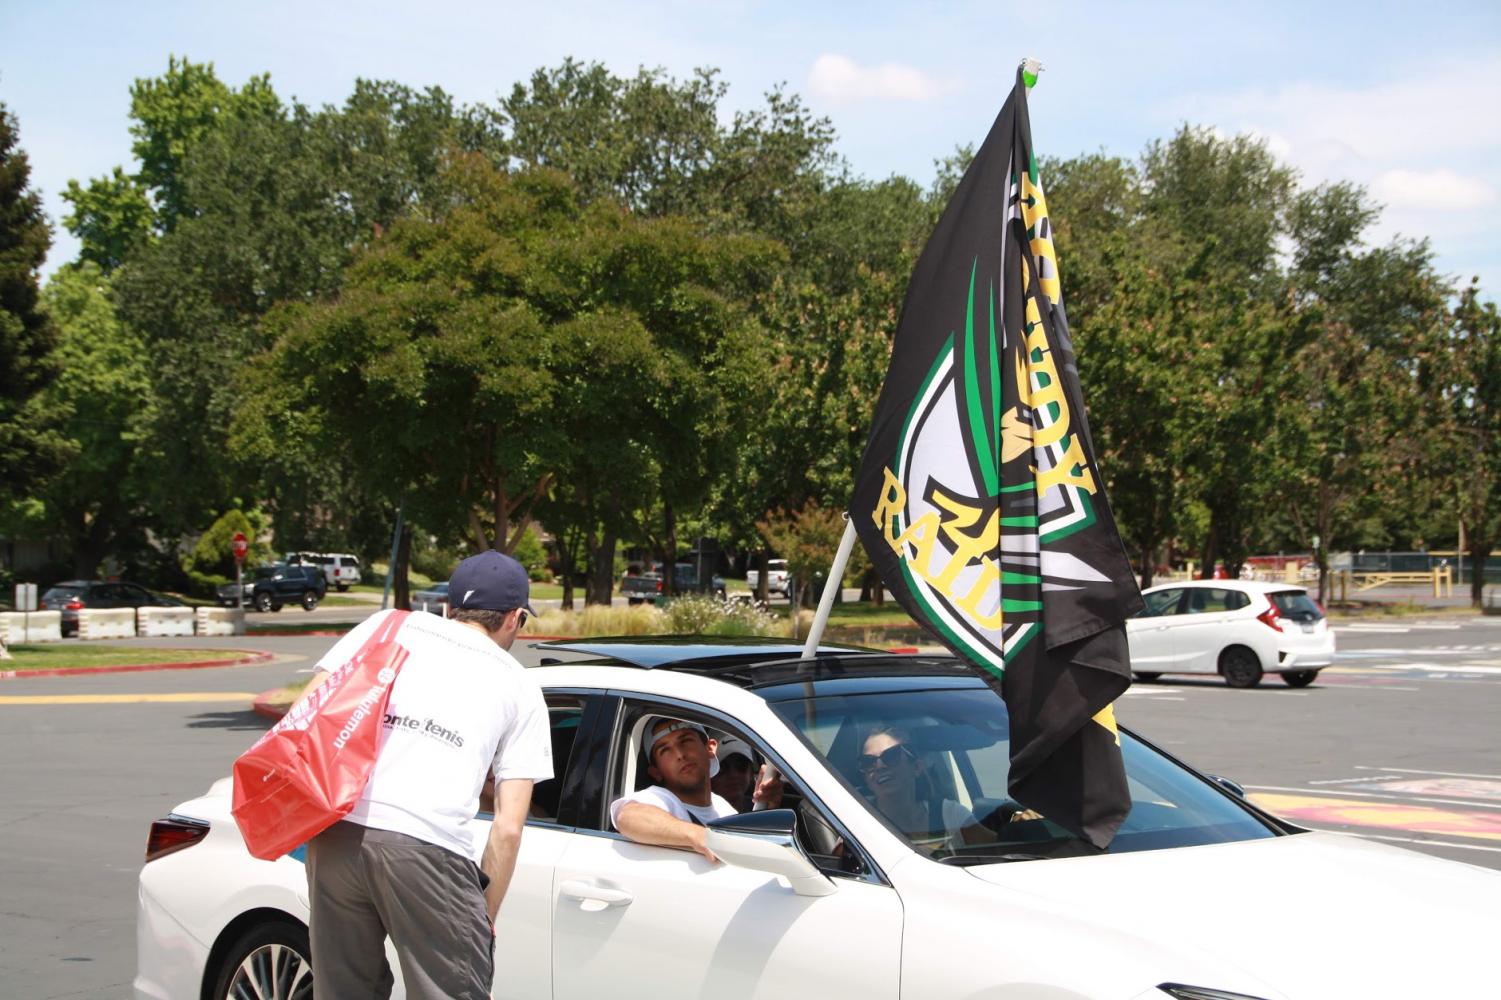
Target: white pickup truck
{"x":776,"y":577}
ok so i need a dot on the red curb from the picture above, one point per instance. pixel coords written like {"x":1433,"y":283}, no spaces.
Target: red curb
{"x":902,"y":649}
{"x":256,"y":656}
{"x":320,"y":633}
{"x":262,"y":705}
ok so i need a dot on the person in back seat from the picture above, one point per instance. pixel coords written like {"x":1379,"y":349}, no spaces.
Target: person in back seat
{"x":672,"y":812}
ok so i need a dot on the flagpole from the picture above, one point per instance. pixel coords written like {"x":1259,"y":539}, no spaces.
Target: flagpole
{"x":830,"y":588}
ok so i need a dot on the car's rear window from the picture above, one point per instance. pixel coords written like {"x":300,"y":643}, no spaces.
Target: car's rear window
{"x":1297,"y":605}
{"x":60,"y":592}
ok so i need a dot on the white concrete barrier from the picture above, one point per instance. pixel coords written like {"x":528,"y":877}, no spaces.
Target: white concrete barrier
{"x":221,"y":621}
{"x":164,"y":621}
{"x":107,"y":623}
{"x":36,"y":626}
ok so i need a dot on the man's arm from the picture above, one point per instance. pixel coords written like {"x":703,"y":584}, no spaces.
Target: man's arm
{"x":512,"y":800}
{"x":649,"y":825}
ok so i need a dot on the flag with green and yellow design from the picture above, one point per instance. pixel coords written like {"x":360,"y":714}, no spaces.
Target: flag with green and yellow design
{"x":978,"y":499}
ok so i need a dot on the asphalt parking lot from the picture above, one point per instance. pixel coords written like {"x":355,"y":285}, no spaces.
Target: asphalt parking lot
{"x":1396,"y":742}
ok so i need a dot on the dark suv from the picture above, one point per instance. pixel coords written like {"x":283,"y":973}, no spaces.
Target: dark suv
{"x":72,"y":596}
{"x":270,"y":587}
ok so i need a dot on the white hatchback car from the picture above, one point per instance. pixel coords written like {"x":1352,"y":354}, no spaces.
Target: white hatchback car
{"x":1239,"y":629}
{"x":827,"y":897}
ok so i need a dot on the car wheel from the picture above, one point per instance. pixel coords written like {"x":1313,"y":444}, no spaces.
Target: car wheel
{"x":269,"y":960}
{"x":633,"y":600}
{"x":276,"y":607}
{"x":309,"y":600}
{"x":1299,"y":678}
{"x":1240,"y":667}
{"x":263,"y":602}
{"x":341,"y":587}
{"x":1144,"y":675}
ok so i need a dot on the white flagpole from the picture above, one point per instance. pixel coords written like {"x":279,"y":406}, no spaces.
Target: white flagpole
{"x":830,"y":588}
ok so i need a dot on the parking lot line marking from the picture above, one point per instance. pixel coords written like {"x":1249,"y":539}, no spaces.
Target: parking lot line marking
{"x":1479,"y":824}
{"x":1409,"y":840}
{"x":1435,"y":774}
{"x":123,"y":699}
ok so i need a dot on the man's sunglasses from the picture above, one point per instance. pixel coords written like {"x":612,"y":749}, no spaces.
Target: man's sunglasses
{"x":520,"y":619}
{"x":891,"y":757}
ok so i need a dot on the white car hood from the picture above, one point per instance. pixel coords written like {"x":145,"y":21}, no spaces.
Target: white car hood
{"x":1314,"y":915}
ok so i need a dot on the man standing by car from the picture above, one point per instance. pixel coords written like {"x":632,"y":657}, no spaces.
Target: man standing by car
{"x":673,"y":812}
{"x":461,"y":710}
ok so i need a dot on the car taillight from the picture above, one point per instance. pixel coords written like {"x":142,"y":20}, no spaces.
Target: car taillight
{"x":659,"y":586}
{"x":1270,"y":618}
{"x":74,"y":605}
{"x":173,"y":834}
{"x":1322,"y":612}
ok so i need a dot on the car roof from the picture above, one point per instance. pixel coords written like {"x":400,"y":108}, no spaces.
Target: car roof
{"x":773,"y":668}
{"x":1249,"y":586}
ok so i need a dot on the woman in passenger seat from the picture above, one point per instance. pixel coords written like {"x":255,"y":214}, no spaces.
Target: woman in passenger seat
{"x":903,"y":794}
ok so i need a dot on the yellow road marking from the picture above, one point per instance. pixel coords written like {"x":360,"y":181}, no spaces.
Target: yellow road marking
{"x":122,"y":699}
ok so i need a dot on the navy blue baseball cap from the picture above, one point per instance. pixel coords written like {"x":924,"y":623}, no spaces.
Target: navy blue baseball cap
{"x":490,"y":581}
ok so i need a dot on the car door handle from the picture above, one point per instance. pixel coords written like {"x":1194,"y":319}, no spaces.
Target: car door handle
{"x":590,"y":893}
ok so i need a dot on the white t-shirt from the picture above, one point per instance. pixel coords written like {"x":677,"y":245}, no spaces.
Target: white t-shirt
{"x":660,"y":797}
{"x":461,"y":707}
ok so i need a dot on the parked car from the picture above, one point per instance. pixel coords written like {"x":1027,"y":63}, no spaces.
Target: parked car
{"x":434,"y":599}
{"x":826,"y":898}
{"x":340,"y":569}
{"x":1239,"y":629}
{"x":777,"y":580}
{"x":271,"y":587}
{"x":651,"y":587}
{"x":73,"y":596}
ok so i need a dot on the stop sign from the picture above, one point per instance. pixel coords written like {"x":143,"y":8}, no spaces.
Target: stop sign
{"x":240,"y":546}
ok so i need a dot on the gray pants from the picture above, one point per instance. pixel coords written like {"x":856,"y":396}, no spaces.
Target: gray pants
{"x":367,"y":884}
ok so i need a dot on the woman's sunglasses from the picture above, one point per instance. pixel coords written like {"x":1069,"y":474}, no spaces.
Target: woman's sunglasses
{"x":891,"y":756}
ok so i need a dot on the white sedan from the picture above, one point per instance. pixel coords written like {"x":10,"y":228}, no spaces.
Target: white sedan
{"x":1238,"y":629}
{"x":1200,"y":897}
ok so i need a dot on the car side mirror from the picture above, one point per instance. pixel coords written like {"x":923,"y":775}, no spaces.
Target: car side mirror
{"x":767,"y":842}
{"x":1232,"y":787}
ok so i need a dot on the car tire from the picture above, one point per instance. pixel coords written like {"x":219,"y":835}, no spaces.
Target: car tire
{"x":341,"y":587}
{"x":633,"y":601}
{"x":269,"y":959}
{"x":263,"y":602}
{"x":1299,"y":678}
{"x":309,"y":600}
{"x":1145,"y":675}
{"x":1240,"y":667}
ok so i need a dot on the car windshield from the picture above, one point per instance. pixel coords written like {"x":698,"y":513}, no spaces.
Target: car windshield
{"x":932,"y":765}
{"x":62,"y":591}
{"x":1297,"y":605}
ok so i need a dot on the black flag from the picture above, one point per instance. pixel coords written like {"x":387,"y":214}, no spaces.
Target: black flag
{"x":978,"y":499}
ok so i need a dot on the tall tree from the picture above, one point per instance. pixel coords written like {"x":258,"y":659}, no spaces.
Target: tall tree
{"x":31,"y":448}
{"x":103,"y":402}
{"x":1468,"y":383}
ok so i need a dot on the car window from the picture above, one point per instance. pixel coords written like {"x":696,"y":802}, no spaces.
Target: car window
{"x":932,"y":765}
{"x":1297,"y":605}
{"x":565,"y":713}
{"x":134,"y":594}
{"x":1207,"y":600}
{"x":106,"y":592}
{"x":1161,"y":602}
{"x":824,"y":841}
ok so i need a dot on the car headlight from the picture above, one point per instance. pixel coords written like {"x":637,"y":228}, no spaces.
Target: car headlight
{"x":1180,"y":992}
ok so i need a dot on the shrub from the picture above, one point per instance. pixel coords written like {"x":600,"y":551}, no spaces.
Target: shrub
{"x":597,"y":619}
{"x":697,"y":615}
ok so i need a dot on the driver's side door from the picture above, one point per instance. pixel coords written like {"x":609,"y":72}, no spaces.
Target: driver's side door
{"x":637,"y":920}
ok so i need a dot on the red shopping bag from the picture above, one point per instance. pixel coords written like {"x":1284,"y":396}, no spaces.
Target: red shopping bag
{"x":308,"y":771}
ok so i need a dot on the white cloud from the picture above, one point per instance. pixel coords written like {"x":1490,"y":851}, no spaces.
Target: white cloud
{"x":1440,"y":190}
{"x":840,"y":78}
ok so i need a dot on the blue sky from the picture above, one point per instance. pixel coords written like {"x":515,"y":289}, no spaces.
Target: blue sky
{"x":1403,"y":98}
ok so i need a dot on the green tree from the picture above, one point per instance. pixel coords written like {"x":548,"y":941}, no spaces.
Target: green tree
{"x":102,"y":400}
{"x":1468,"y":469}
{"x":31,"y":448}
{"x":111,"y":218}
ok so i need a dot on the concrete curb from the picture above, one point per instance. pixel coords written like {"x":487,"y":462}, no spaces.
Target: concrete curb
{"x":255,"y":656}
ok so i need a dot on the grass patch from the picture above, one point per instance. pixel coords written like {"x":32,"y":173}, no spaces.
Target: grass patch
{"x":282,"y":698}
{"x":47,"y":657}
{"x":340,"y":601}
